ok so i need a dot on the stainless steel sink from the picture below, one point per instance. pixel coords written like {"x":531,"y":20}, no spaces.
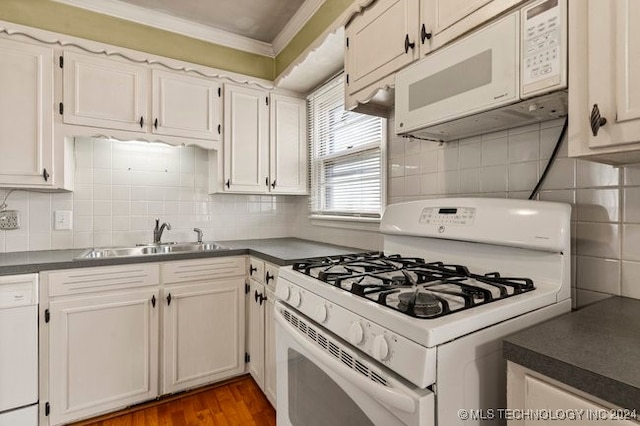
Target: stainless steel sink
{"x":150,"y":249}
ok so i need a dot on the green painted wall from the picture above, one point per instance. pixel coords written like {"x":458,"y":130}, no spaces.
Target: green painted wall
{"x":60,"y":18}
{"x":324,"y":16}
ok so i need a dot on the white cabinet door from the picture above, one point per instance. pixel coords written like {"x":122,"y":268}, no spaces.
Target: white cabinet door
{"x":100,"y":92}
{"x":442,"y":21}
{"x":288,"y":145}
{"x":185,"y":106}
{"x":270,"y":347}
{"x":256,"y":332}
{"x":380,"y":41}
{"x":614,"y":71}
{"x":103,"y":353}
{"x":246,"y":139}
{"x":203,"y":331}
{"x":26,"y":114}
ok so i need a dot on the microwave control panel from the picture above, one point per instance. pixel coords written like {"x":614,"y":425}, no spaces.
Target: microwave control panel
{"x":543,"y":45}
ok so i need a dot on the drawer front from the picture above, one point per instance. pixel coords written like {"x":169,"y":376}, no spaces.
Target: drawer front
{"x":271,"y":275}
{"x":255,"y":268}
{"x":202,"y":269}
{"x":86,"y":280}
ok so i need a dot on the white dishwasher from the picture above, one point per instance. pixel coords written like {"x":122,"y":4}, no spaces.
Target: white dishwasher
{"x":19,"y":350}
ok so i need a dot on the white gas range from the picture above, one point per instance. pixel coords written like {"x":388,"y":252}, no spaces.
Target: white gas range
{"x":412,"y":335}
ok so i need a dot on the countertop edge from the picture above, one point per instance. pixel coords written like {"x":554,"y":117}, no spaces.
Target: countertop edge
{"x":617,"y":393}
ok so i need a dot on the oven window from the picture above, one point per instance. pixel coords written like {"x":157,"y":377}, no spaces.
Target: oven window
{"x":316,"y":400}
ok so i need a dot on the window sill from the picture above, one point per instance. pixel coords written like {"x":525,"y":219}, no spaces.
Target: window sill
{"x":355,"y":223}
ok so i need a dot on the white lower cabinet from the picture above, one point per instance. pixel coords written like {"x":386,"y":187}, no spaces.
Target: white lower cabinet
{"x":103,"y":353}
{"x":260,"y":328}
{"x":114,"y":336}
{"x":203,"y":333}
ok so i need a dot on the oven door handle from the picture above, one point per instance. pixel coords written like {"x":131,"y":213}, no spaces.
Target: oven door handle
{"x":389,"y":396}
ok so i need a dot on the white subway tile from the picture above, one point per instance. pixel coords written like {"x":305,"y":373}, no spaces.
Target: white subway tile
{"x":494,"y":152}
{"x":598,"y":240}
{"x":82,"y":239}
{"x":428,"y":162}
{"x":39,"y":240}
{"x":16,"y":241}
{"x":448,"y":183}
{"x":102,"y":208}
{"x":102,"y":192}
{"x":630,"y":286}
{"x":429,"y":184}
{"x":493,"y":179}
{"x":631,"y":242}
{"x":597,"y":274}
{"x":562,"y":174}
{"x":396,"y":167}
{"x":61,"y":240}
{"x":470,"y":156}
{"x":412,"y":165}
{"x":631,"y":175}
{"x":396,"y":187}
{"x":586,"y":297}
{"x":412,"y":185}
{"x":447,"y":159}
{"x":529,"y":128}
{"x":590,"y":174}
{"x":470,"y":181}
{"x":598,"y":205}
{"x":632,"y":205}
{"x":549,"y":139}
{"x":524,"y":147}
{"x":412,"y":146}
{"x":523,"y":176}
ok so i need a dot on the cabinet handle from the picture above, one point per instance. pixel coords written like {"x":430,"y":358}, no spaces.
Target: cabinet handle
{"x":597,"y":120}
{"x":169,"y":299}
{"x":262,"y":299}
{"x":141,"y":122}
{"x":266,"y":181}
{"x":45,"y":175}
{"x":273,"y":185}
{"x":269,"y":277}
{"x":155,"y":124}
{"x":424,"y":35}
{"x":252,"y":269}
{"x":408,"y":44}
{"x":257,"y":296}
{"x":153,"y":300}
{"x":228,"y":184}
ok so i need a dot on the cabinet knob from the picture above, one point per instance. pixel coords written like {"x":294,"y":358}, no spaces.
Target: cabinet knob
{"x":424,"y":35}
{"x":273,"y":184}
{"x":45,"y":175}
{"x":257,"y":296}
{"x":141,"y":122}
{"x":153,"y":300}
{"x":169,"y":299}
{"x":408,"y":44}
{"x":228,"y":184}
{"x":266,"y":181}
{"x":269,"y":277}
{"x":252,"y":269}
{"x":155,"y":124}
{"x":597,"y":120}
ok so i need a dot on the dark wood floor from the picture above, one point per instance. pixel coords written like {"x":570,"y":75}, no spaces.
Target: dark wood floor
{"x":239,"y":402}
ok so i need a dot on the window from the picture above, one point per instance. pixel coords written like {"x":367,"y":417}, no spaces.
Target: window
{"x":347,"y":152}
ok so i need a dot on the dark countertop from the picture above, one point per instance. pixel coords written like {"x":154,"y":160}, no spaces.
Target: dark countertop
{"x":595,"y":349}
{"x":280,"y":251}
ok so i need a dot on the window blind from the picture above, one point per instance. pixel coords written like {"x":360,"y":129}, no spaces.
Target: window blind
{"x":346,"y":156}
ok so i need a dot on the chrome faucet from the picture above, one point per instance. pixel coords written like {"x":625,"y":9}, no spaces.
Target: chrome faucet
{"x":199,"y":232}
{"x":158,"y":230}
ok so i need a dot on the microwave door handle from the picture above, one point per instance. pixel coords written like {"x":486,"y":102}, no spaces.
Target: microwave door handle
{"x":389,"y":396}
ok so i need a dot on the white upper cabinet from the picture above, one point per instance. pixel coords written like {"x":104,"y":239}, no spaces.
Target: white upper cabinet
{"x":108,"y":93}
{"x":380,"y":41}
{"x":442,"y":21}
{"x":26,"y":114}
{"x":246,"y":139}
{"x":604,"y":77}
{"x":185,"y":106}
{"x":265,"y":145}
{"x":288,"y":145}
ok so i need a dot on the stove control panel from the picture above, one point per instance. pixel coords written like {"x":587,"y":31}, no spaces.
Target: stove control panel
{"x":447,"y":216}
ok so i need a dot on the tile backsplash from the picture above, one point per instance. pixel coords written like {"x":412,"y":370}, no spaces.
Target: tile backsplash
{"x":121,"y":187}
{"x":605,"y":199}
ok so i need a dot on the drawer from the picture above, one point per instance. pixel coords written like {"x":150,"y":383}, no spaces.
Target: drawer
{"x":87,"y":280}
{"x":271,"y":275}
{"x":255,"y":269}
{"x":202,"y":269}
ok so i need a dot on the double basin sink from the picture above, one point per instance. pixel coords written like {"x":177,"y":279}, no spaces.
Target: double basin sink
{"x":151,"y":249}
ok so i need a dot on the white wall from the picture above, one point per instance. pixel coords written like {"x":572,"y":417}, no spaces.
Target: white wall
{"x":121,"y":187}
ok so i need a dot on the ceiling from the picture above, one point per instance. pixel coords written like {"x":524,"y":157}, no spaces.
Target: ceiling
{"x":257,"y":19}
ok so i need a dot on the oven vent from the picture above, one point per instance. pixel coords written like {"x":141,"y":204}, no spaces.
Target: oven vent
{"x":335,"y":350}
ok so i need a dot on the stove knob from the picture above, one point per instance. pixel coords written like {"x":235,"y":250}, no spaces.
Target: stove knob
{"x":380,"y":348}
{"x":321,"y":313}
{"x":285,"y":292}
{"x":296,"y":299}
{"x":356,"y":333}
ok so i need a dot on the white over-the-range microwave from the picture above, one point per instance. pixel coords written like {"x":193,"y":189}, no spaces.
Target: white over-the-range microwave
{"x":508,"y":73}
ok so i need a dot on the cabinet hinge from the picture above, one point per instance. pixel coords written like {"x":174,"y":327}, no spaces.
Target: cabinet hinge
{"x":219,"y":91}
{"x":347,"y":42}
{"x":246,"y":288}
{"x":247,"y":358}
{"x":266,"y":99}
{"x":47,"y":316}
{"x":47,"y":409}
{"x":61,"y":108}
{"x":61,"y":62}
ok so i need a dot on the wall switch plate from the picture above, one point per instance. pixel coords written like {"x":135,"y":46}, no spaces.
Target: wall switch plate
{"x":63,"y":220}
{"x":9,"y":219}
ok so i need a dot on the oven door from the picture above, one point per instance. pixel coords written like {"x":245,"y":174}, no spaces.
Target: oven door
{"x":321,"y":380}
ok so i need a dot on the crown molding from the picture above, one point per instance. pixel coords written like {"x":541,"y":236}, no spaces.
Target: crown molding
{"x":174,"y":24}
{"x":295,"y":24}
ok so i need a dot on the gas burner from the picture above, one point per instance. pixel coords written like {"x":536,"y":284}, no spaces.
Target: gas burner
{"x":412,"y":286}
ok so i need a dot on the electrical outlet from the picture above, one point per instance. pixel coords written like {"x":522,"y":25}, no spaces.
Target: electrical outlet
{"x":9,"y":219}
